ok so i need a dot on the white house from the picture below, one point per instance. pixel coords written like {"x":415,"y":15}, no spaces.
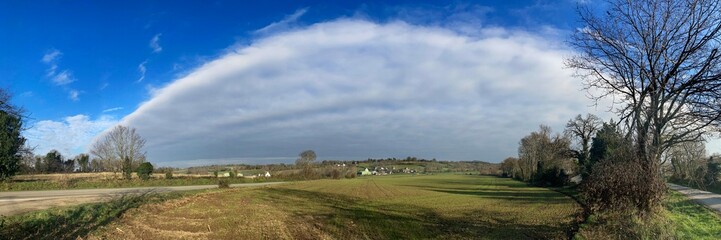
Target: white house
{"x":267,"y":174}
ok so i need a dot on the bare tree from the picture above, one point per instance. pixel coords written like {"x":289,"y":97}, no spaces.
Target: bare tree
{"x":583,"y":129}
{"x":307,"y":157}
{"x":688,"y":160}
{"x":305,"y":162}
{"x":120,"y":145}
{"x":539,"y":151}
{"x":659,"y":60}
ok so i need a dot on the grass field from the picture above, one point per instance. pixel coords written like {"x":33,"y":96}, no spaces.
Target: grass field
{"x":389,"y":207}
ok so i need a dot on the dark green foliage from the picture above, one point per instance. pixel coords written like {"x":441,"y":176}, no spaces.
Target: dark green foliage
{"x":10,"y":144}
{"x":127,"y":168}
{"x":69,"y":166}
{"x":53,"y":162}
{"x":607,"y":140}
{"x":83,"y":161}
{"x":553,"y":177}
{"x":169,"y":174}
{"x":145,"y":170}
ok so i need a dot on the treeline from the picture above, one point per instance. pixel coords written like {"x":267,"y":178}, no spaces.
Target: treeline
{"x":239,"y":167}
{"x":543,"y":159}
{"x":689,"y":164}
{"x":435,"y":166}
{"x":602,"y":160}
{"x":55,"y":162}
{"x":428,"y":166}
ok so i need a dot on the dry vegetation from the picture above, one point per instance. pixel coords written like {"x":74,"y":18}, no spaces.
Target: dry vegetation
{"x":389,"y":207}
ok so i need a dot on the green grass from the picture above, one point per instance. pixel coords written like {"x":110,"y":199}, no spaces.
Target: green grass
{"x":117,"y":183}
{"x":76,"y":221}
{"x":441,"y":206}
{"x":692,"y":221}
{"x":680,"y":218}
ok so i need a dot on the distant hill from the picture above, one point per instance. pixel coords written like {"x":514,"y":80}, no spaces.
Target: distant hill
{"x":390,"y":164}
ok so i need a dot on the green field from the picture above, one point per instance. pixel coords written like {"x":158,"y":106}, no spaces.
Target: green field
{"x":390,"y":207}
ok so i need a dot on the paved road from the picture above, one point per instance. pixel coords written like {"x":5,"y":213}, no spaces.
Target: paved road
{"x":709,"y":199}
{"x":12,"y":203}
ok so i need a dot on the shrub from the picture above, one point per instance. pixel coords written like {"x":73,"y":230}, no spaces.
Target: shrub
{"x":713,"y":168}
{"x":555,"y":177}
{"x":622,"y":185}
{"x":350,"y":174}
{"x":169,"y":174}
{"x":145,"y":170}
{"x":223,"y":183}
{"x":335,"y":173}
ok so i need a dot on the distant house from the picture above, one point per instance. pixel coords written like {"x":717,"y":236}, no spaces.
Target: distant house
{"x":239,"y":175}
{"x":227,"y":174}
{"x":267,"y":174}
{"x":365,"y":172}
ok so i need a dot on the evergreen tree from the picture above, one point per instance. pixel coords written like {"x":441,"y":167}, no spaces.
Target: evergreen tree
{"x":10,"y":144}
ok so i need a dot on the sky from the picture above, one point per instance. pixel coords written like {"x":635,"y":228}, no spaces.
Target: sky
{"x":216,"y":82}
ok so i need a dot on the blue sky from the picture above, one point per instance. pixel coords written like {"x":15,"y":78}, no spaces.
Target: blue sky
{"x":234,"y":81}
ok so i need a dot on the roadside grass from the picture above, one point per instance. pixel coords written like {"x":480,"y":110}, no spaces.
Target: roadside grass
{"x":86,"y":183}
{"x":680,"y":218}
{"x":692,"y":221}
{"x":442,"y":206}
{"x":77,"y":221}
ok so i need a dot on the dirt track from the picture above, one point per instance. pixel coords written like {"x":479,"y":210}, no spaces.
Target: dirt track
{"x":12,"y":203}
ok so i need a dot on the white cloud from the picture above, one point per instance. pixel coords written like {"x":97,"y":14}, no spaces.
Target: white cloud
{"x":74,"y":95}
{"x":63,"y":78}
{"x":70,"y":136}
{"x":354,"y":89}
{"x":51,"y":56}
{"x":112,"y":109}
{"x":283,"y":24}
{"x":58,"y":78}
{"x":141,"y":70}
{"x":155,"y":43}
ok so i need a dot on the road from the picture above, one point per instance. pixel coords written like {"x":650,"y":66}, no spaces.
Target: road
{"x":12,"y":203}
{"x":708,"y":199}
